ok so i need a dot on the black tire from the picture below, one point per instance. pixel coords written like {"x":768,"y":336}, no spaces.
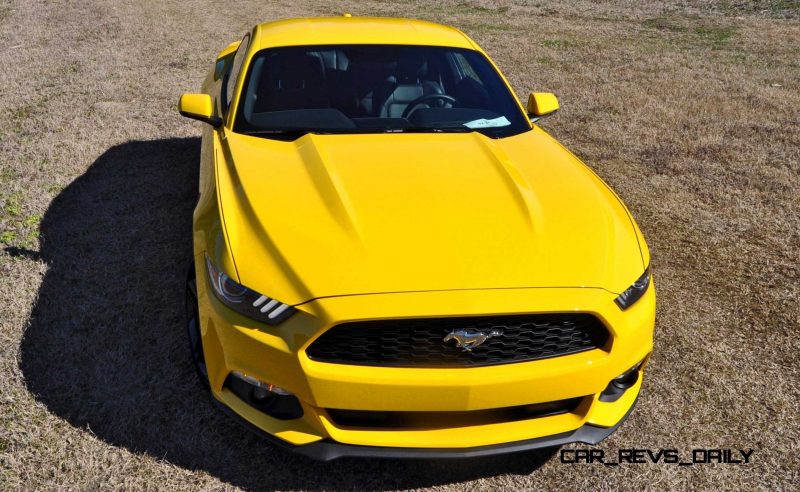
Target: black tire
{"x":193,"y":328}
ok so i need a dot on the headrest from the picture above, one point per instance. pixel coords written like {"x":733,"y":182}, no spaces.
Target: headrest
{"x":411,"y":68}
{"x":335,"y":59}
{"x":300,"y":71}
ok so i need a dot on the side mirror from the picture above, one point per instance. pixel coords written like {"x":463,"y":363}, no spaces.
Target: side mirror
{"x":541,"y":104}
{"x":199,"y":107}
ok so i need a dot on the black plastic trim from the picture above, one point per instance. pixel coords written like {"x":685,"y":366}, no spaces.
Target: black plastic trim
{"x":616,"y":387}
{"x":281,"y":407}
{"x":328,"y":450}
{"x":398,"y":419}
{"x":214,"y":121}
{"x":347,"y":343}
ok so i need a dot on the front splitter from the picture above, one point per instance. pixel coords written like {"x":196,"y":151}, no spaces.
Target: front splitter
{"x":327,"y":450}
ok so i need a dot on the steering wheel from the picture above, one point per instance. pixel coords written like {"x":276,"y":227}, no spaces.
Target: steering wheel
{"x":412,"y":106}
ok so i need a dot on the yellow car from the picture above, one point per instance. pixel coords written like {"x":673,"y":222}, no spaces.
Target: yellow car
{"x":392,"y":259}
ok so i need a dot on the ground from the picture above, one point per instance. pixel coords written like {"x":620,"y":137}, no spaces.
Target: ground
{"x":690,"y":112}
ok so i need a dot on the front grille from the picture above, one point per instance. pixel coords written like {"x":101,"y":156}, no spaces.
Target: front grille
{"x":440,"y":420}
{"x":420,"y":342}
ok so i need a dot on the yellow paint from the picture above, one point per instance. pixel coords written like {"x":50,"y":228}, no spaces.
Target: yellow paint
{"x":231,"y":48}
{"x":196,"y":106}
{"x":542,"y":103}
{"x":356,"y":227}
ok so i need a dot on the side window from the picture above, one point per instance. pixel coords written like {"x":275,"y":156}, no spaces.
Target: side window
{"x":220,"y":67}
{"x":236,"y":67}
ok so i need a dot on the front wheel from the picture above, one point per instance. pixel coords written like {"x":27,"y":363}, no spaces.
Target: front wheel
{"x":193,"y":326}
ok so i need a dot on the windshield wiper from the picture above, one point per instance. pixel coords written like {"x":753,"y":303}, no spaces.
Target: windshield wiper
{"x":434,"y":129}
{"x":278,"y":131}
{"x":317,"y":131}
{"x":295,"y":133}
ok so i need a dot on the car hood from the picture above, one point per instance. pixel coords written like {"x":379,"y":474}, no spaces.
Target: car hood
{"x":332,"y":215}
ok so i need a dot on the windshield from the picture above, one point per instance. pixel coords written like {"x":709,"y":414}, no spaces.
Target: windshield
{"x":375,"y":89}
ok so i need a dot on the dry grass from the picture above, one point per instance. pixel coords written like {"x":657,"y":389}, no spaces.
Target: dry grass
{"x":691,"y":112}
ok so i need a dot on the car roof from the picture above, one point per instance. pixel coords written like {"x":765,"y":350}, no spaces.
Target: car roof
{"x":358,"y":30}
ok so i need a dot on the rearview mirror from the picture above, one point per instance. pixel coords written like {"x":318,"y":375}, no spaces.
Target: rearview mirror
{"x":541,"y":104}
{"x":199,"y":107}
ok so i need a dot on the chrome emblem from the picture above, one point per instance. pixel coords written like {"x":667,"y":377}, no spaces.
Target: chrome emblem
{"x":469,"y":339}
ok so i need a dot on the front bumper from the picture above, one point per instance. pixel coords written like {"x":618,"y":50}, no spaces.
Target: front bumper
{"x":327,"y":450}
{"x":276,"y":355}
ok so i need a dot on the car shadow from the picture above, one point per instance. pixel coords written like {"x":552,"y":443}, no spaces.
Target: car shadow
{"x":106,"y":349}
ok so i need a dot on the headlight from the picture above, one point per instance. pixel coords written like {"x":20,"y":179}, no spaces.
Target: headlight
{"x":634,"y":292}
{"x":246,"y":301}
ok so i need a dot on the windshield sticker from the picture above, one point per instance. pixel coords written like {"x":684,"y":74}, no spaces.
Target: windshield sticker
{"x":484,"y":123}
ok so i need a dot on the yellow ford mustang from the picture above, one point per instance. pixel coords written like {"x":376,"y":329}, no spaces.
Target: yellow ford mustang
{"x":391,"y":259}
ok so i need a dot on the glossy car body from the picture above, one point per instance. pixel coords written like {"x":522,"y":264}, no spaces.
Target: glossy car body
{"x":403,"y":226}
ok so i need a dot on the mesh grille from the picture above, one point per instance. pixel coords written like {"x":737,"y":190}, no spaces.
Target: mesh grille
{"x":444,"y":420}
{"x":420,"y":342}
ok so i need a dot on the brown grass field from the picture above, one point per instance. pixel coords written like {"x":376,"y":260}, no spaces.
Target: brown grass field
{"x":691,"y":112}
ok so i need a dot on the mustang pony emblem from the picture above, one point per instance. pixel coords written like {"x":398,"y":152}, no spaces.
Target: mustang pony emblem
{"x":469,"y":339}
